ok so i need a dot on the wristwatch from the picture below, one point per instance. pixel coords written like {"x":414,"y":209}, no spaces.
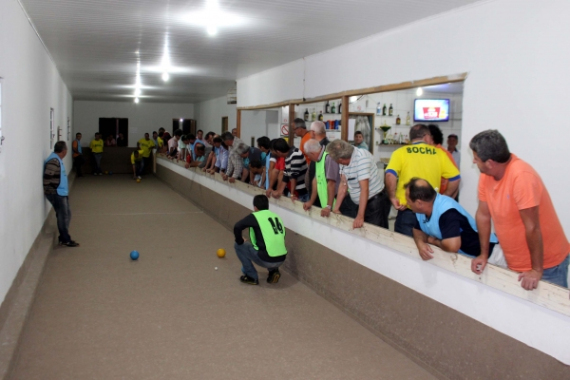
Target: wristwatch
{"x":329,"y":207}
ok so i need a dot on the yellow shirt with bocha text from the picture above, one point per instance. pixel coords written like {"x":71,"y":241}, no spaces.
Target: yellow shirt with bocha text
{"x":96,"y":146}
{"x":423,"y":161}
{"x":146,"y":146}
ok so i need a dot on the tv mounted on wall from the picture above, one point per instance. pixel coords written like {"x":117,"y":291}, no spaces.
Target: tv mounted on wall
{"x":430,"y":110}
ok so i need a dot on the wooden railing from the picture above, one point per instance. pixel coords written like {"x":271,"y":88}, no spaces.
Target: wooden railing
{"x":546,"y":295}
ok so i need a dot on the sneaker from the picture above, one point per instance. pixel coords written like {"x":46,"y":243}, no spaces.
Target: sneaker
{"x":248,"y":280}
{"x":70,"y":243}
{"x":94,"y":173}
{"x":139,"y":177}
{"x":274,"y":276}
{"x":100,"y":173}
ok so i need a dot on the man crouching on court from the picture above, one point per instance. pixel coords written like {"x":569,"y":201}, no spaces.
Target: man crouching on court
{"x":267,"y":247}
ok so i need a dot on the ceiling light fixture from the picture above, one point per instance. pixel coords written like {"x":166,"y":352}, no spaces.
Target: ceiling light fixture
{"x":212,"y":31}
{"x":165,"y":64}
{"x":137,"y":100}
{"x":213,"y":18}
{"x":138,"y":82}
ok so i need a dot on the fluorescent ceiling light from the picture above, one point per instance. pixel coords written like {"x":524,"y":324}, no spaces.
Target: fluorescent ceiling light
{"x":213,"y":18}
{"x":165,"y":76}
{"x":136,"y":100}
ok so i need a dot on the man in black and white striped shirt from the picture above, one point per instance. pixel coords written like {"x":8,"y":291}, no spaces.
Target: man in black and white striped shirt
{"x":360,"y":177}
{"x":295,"y":170}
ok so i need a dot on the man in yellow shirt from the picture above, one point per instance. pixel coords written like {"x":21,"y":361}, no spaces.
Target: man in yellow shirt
{"x":138,"y":163}
{"x":158,"y":141}
{"x":420,"y":160}
{"x":96,"y":146}
{"x":146,"y":145}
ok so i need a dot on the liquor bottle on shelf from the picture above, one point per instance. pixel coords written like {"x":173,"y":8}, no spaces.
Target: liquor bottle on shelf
{"x":327,"y":107}
{"x":398,"y":120}
{"x":384,"y":109}
{"x":408,"y":120}
{"x":333,"y":108}
{"x":340,"y":107}
{"x":321,"y":116}
{"x":313,"y":115}
{"x":306,"y":114}
{"x":391,"y":109}
{"x":378,"y":109}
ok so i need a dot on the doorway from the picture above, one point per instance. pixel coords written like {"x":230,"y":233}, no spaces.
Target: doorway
{"x":224,"y":124}
{"x":186,"y":125}
{"x":113,"y":126}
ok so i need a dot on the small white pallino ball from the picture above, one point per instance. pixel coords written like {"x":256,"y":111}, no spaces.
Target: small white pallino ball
{"x":216,"y":268}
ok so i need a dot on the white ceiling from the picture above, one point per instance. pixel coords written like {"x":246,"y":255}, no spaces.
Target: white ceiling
{"x":94,"y":42}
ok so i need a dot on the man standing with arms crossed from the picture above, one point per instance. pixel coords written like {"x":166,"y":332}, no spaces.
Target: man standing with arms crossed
{"x":512,"y":194}
{"x":56,"y":191}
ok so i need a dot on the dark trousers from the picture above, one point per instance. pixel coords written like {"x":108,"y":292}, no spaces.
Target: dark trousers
{"x":377,"y":209}
{"x":97,"y":160}
{"x":139,"y":168}
{"x":77,"y":164}
{"x":405,"y":222}
{"x":63,"y":214}
{"x":147,"y":165}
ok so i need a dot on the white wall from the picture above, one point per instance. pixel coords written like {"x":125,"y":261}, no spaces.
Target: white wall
{"x":31,"y":86}
{"x":209,"y":114}
{"x":253,"y":124}
{"x":514,"y":51}
{"x":516,"y":55}
{"x":143,"y":117}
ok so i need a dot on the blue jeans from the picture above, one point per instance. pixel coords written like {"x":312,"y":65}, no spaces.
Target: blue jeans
{"x":247,"y":254}
{"x":304,"y":198}
{"x":97,"y":157}
{"x":139,"y":167}
{"x":558,"y":275}
{"x":405,"y":222}
{"x":63,"y":214}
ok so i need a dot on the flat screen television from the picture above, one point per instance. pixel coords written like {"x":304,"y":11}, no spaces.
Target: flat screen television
{"x":430,"y":110}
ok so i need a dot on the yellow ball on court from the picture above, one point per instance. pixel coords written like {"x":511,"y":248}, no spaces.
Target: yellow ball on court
{"x":221,"y":253}
{"x":138,"y":180}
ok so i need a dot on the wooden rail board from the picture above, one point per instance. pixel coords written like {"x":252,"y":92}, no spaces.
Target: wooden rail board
{"x":546,"y":295}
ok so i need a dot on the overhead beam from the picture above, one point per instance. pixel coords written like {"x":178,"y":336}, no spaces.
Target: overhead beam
{"x":365,"y":91}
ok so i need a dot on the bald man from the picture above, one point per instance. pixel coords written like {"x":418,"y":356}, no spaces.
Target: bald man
{"x":443,"y":222}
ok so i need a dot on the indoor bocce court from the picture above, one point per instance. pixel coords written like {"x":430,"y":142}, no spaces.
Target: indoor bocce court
{"x":170,"y":314}
{"x":319,"y":189}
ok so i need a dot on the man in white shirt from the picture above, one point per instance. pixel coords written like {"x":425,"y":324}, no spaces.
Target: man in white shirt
{"x":360,"y":177}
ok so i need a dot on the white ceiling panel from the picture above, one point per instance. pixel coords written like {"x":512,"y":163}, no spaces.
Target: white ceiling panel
{"x":96,"y":44}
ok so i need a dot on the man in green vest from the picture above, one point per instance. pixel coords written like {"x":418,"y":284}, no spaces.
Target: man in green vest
{"x":327,"y":178}
{"x":267,"y":247}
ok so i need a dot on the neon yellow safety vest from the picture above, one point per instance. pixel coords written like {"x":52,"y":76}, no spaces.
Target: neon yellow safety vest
{"x":273,"y":233}
{"x":322,"y":189}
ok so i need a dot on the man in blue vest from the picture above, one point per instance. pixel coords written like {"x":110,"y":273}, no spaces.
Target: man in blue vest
{"x":267,"y":247}
{"x":56,"y":191}
{"x":443,"y":222}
